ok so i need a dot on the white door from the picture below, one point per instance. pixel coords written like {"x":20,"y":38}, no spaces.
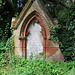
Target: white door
{"x":34,"y":40}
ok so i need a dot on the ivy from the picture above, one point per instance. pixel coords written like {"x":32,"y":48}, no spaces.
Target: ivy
{"x":35,"y":66}
{"x":53,"y":34}
{"x":67,"y":35}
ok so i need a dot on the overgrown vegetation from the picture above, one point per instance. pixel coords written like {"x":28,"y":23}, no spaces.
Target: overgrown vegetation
{"x":20,"y":66}
{"x":64,"y":11}
{"x":65,"y":33}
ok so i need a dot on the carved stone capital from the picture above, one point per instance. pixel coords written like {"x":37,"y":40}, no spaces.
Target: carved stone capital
{"x":22,"y":38}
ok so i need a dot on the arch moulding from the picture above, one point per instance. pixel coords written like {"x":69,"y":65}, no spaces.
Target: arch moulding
{"x":35,"y":12}
{"x":33,"y":17}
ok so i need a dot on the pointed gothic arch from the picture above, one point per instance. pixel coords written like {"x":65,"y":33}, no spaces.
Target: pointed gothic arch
{"x":34,"y":16}
{"x":30,"y":17}
{"x":34,"y":11}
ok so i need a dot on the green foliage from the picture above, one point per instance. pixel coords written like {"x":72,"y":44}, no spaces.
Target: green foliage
{"x":4,"y":36}
{"x":10,"y":45}
{"x":57,"y":9}
{"x":64,"y":11}
{"x":2,"y":44}
{"x":53,"y":34}
{"x":65,"y":33}
{"x":7,"y":47}
{"x":67,"y":44}
{"x":72,"y":72}
{"x":7,"y":14}
{"x":2,"y":60}
{"x":19,"y":66}
{"x":5,"y":33}
{"x":16,"y":14}
{"x":10,"y":65}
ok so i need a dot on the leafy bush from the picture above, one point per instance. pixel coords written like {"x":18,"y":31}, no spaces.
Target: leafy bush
{"x":2,"y":43}
{"x":7,"y":47}
{"x":20,"y":66}
{"x":53,"y":34}
{"x":2,"y":60}
{"x":10,"y":45}
{"x":66,"y":34}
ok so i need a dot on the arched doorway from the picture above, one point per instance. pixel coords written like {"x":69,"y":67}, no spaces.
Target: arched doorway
{"x":34,"y":42}
{"x":35,"y":31}
{"x":34,"y":9}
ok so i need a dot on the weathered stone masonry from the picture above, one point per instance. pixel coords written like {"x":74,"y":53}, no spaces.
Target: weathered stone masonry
{"x":34,"y":18}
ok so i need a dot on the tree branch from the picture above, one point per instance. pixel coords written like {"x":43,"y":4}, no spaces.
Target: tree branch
{"x":59,"y":3}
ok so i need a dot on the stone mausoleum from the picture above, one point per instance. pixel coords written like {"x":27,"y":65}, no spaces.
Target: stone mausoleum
{"x":31,"y":32}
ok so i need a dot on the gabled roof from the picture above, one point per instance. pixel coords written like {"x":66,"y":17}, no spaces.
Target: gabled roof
{"x":17,"y":21}
{"x":26,"y":7}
